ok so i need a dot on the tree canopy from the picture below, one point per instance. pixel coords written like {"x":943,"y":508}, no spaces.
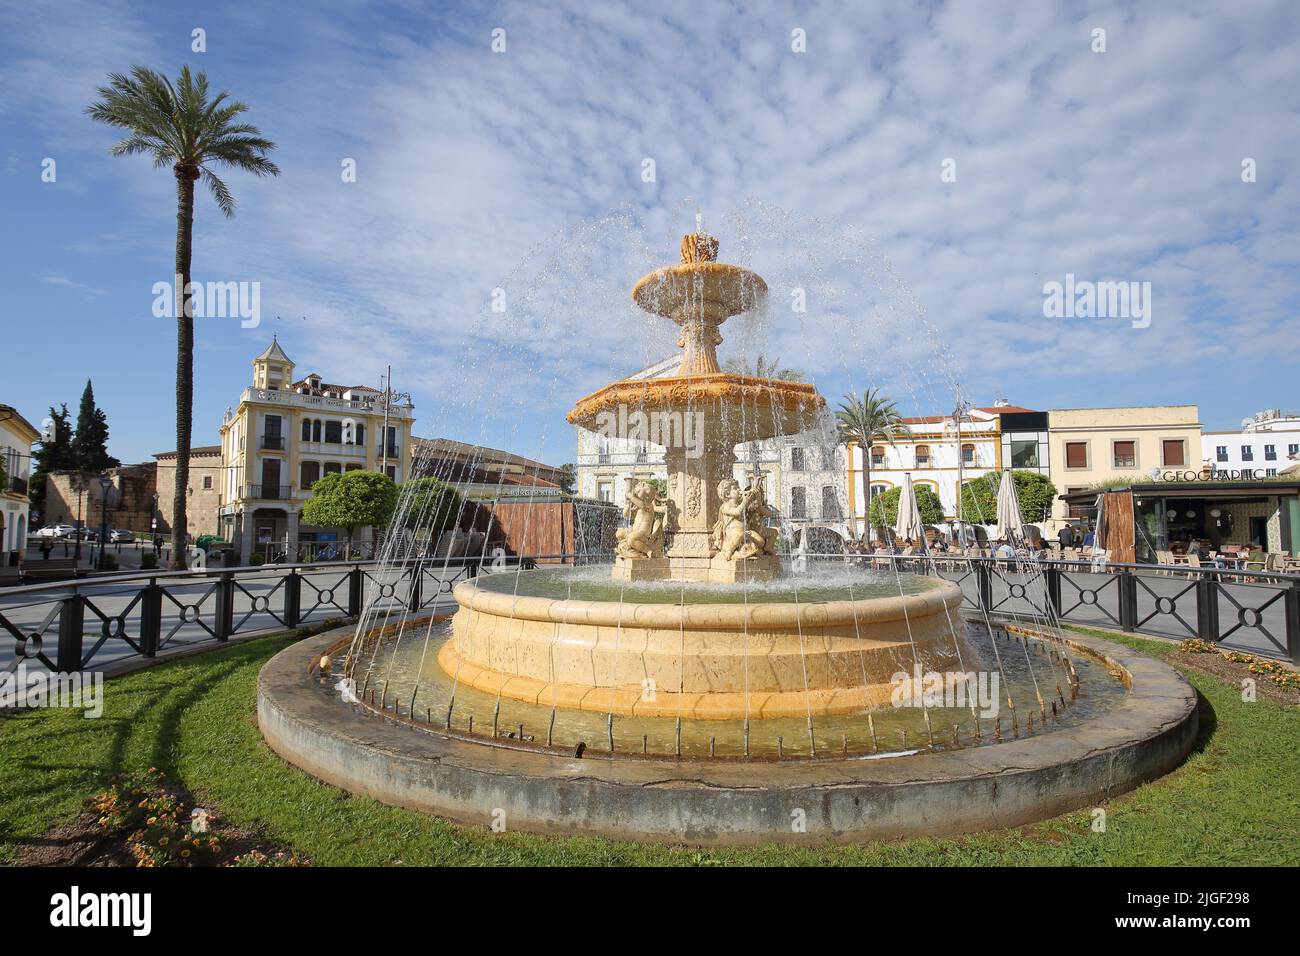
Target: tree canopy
{"x":434,"y":505}
{"x":90,"y":441}
{"x":884,"y":507}
{"x":979,"y":497}
{"x":351,"y":500}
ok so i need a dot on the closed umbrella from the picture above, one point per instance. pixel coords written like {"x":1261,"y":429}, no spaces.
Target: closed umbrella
{"x":1099,"y":532}
{"x":1011,"y":526}
{"x":909,"y":524}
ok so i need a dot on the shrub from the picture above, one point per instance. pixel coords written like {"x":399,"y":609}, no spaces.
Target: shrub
{"x":148,"y":561}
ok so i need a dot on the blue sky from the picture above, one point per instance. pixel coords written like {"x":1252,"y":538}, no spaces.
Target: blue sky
{"x":523,"y":170}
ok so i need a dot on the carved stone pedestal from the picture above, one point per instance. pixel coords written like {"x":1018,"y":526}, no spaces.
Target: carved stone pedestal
{"x":641,"y":569}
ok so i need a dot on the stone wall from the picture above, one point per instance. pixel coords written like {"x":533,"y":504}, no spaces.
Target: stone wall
{"x":204,"y":490}
{"x":134,"y":486}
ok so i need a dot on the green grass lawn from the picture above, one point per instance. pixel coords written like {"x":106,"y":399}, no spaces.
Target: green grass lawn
{"x":1232,"y":802}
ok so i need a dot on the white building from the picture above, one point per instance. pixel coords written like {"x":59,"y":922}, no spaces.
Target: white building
{"x":1265,"y":445}
{"x":16,"y":437}
{"x":804,"y":473}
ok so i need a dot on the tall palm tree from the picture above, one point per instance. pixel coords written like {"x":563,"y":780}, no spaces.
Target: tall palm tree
{"x":864,"y":421}
{"x":182,"y":127}
{"x":762,"y":369}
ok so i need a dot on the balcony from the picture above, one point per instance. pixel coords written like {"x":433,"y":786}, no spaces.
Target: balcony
{"x":273,"y":443}
{"x":17,"y":486}
{"x":268,"y":492}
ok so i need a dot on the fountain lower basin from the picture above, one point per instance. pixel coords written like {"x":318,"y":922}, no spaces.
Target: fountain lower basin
{"x":761,"y":658}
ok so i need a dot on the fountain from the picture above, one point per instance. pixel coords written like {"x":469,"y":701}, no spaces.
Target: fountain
{"x":772,"y":656}
{"x":697,"y":685}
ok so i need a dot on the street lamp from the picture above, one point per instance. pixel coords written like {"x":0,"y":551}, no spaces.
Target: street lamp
{"x":78,"y":483}
{"x":105,"y":483}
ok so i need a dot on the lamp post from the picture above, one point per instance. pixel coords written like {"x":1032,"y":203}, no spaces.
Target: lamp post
{"x":153,"y":524}
{"x":105,"y":483}
{"x":78,"y":482}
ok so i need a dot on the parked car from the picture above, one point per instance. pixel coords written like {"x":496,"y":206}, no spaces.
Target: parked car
{"x":121,"y":536}
{"x":85,"y":534}
{"x":56,"y":531}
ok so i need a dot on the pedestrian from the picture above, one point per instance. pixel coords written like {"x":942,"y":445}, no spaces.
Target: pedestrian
{"x":1067,"y":537}
{"x":47,"y":545}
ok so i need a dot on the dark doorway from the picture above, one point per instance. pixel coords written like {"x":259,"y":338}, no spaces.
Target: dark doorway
{"x":1259,"y":532}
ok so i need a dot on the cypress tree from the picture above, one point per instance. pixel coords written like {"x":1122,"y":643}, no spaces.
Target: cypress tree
{"x":90,"y":443}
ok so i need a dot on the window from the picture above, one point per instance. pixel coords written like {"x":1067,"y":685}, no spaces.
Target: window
{"x":355,"y":467}
{"x":391,"y":472}
{"x":1076,"y":454}
{"x":1221,"y":453}
{"x":877,"y":455}
{"x":359,"y":434}
{"x":333,"y":468}
{"x":828,"y":458}
{"x":602,"y":456}
{"x":830,"y":502}
{"x":1024,"y":453}
{"x":1124,"y":454}
{"x":334,"y":433}
{"x":878,"y":490}
{"x":796,"y":459}
{"x":315,"y":430}
{"x":1292,"y":451}
{"x":1175,"y":451}
{"x":798,"y":502}
{"x":207,"y":482}
{"x":968,"y":453}
{"x":1270,"y":472}
{"x":1247,"y":453}
{"x":306,"y":429}
{"x":922,"y":456}
{"x":1270,"y":453}
{"x":641,"y":452}
{"x":605,"y":491}
{"x":308,"y":474}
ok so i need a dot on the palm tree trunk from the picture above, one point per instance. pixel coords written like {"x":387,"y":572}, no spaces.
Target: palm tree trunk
{"x":866,"y":473}
{"x":185,"y":178}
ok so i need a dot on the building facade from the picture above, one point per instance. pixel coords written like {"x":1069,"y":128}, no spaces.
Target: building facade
{"x":283,"y":436}
{"x":1093,"y":445}
{"x":942,"y":453}
{"x":1265,"y":446}
{"x":203,"y":492}
{"x":16,"y":437}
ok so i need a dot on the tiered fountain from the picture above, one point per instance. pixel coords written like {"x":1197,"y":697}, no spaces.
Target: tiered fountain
{"x":767,"y":656}
{"x":696,"y":690}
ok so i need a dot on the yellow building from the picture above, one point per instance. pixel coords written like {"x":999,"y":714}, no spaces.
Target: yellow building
{"x":1090,"y":445}
{"x":286,"y":434}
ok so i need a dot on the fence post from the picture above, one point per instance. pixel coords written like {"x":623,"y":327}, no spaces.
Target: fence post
{"x":71,"y":625}
{"x":1207,"y":608}
{"x":417,"y":576}
{"x":292,"y":598}
{"x":354,"y":592}
{"x":984,"y":583}
{"x":1128,"y":599}
{"x":1292,"y":605}
{"x":1052,"y":581}
{"x":150,"y":619}
{"x":225,"y":606}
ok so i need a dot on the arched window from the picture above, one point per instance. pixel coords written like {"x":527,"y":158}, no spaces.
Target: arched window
{"x":922,"y":456}
{"x":315,"y":430}
{"x":306,"y":429}
{"x":968,"y":454}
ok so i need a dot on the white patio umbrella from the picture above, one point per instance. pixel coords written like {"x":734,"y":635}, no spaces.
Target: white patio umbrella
{"x":1011,"y":526}
{"x":1099,"y":531}
{"x":909,"y":524}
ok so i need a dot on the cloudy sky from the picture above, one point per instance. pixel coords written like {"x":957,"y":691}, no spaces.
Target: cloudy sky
{"x":918,"y":171}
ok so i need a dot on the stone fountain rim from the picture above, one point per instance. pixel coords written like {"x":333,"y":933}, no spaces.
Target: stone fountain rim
{"x":743,"y":298}
{"x":714,"y":802}
{"x":939,"y":594}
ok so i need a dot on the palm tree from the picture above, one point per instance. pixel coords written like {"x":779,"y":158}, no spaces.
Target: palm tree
{"x":865,"y":421}
{"x":182,"y":127}
{"x":762,"y":369}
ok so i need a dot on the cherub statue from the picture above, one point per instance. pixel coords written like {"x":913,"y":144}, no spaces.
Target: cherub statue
{"x":733,"y":535}
{"x":644,"y":537}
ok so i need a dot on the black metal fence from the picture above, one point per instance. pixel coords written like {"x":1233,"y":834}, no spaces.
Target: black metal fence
{"x":98,"y":620}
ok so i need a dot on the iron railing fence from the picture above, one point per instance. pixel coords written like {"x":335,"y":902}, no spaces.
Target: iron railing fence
{"x":70,"y":625}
